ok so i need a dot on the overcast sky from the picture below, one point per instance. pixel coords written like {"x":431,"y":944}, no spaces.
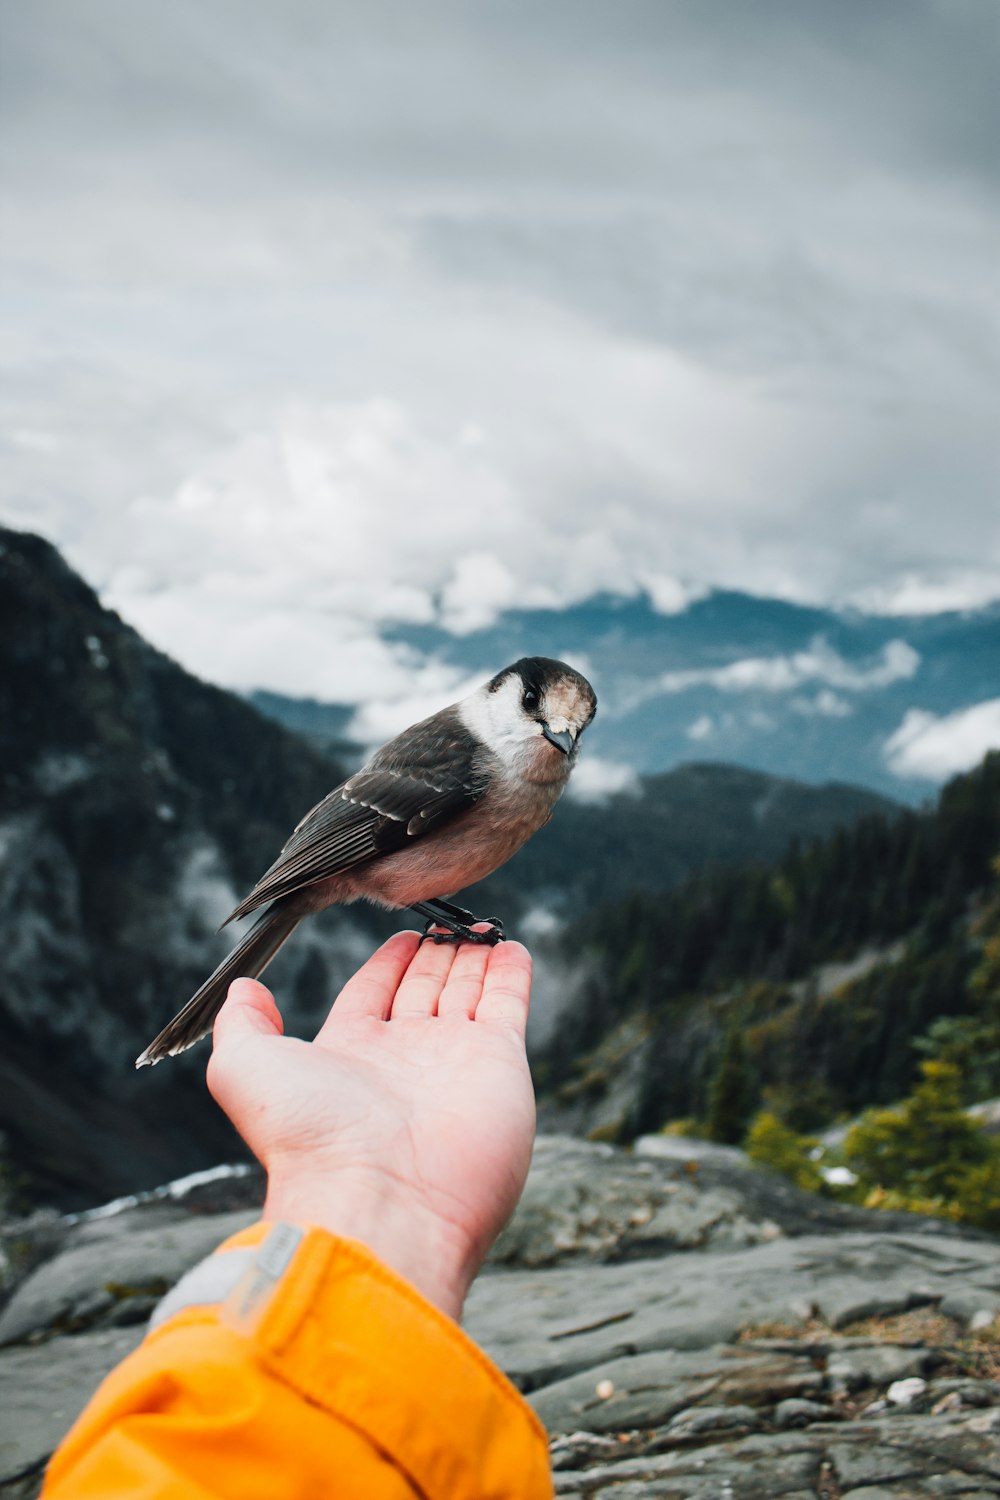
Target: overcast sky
{"x":319,"y":314}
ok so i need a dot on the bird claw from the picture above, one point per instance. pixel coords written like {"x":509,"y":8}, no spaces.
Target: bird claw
{"x":460,"y":933}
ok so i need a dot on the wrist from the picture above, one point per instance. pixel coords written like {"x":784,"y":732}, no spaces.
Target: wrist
{"x":421,"y":1246}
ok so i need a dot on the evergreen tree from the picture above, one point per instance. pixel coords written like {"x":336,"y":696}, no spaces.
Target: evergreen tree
{"x":733,"y":1091}
{"x":925,"y":1147}
{"x":972,"y":1042}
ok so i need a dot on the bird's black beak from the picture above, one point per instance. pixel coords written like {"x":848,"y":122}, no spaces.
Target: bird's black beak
{"x":563,"y":740}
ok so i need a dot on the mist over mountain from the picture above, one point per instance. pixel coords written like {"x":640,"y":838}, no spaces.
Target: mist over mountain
{"x":137,"y":803}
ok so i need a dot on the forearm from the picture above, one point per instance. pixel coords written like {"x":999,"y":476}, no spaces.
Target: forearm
{"x":386,"y":1215}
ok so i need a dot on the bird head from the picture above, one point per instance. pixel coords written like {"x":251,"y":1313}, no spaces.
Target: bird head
{"x":531,"y":715}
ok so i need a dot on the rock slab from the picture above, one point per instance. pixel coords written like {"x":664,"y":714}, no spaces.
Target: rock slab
{"x":684,"y":1334}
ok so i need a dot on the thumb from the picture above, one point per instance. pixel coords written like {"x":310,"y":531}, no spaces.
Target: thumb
{"x":235,"y":1066}
{"x":248,"y":1010}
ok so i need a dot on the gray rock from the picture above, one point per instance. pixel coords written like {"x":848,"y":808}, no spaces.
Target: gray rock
{"x":585,"y":1201}
{"x":686,"y":1148}
{"x":542,"y":1326}
{"x":939,"y":1485}
{"x":969,"y":1392}
{"x":695,"y":1219}
{"x":25,"y":1243}
{"x":911,"y":1450}
{"x":620,"y":1292}
{"x":764,"y":1195}
{"x":856,"y":1299}
{"x":111,"y":1258}
{"x":912,"y":1458}
{"x":859,"y":1365}
{"x":760,"y":1467}
{"x":795,"y":1411}
{"x":573,"y":1449}
{"x":648,"y":1390}
{"x":698,"y":1420}
{"x":877,"y":1492}
{"x":607,"y":1177}
{"x":44,"y":1388}
{"x":965,"y":1304}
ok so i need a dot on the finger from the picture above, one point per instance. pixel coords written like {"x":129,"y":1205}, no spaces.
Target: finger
{"x":370,"y":991}
{"x":421,"y":985}
{"x":248,"y":1010}
{"x":463,"y":988}
{"x":507,"y":987}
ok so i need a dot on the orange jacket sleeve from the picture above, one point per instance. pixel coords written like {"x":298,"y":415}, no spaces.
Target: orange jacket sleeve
{"x":340,"y":1382}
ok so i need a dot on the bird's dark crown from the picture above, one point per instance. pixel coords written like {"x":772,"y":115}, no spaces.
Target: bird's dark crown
{"x":541,"y":672}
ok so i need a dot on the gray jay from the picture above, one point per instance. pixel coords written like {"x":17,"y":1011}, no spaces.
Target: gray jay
{"x":435,"y":809}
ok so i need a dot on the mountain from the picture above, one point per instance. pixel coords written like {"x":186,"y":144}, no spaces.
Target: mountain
{"x":831,"y":972}
{"x":815,"y":694}
{"x":325,"y":724}
{"x":695,"y":817}
{"x":137,"y":803}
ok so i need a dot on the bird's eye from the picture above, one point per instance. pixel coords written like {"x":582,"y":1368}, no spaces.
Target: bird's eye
{"x":530,"y":699}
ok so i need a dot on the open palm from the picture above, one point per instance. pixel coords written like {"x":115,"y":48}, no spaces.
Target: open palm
{"x":408,"y":1122}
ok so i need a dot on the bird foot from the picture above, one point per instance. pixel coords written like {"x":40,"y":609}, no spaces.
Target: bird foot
{"x":435,"y":932}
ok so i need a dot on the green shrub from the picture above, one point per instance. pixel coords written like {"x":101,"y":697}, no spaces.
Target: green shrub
{"x":774,"y":1144}
{"x":927,"y":1154}
{"x":687,"y":1125}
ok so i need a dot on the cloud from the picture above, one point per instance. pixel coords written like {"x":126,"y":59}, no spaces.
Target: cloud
{"x":930,"y":596}
{"x":287,"y":354}
{"x":595,"y":780}
{"x":300,"y":542}
{"x":670,"y":596}
{"x":480,"y":588}
{"x":896,"y":662}
{"x":934,"y":746}
{"x":382,"y":715}
{"x":825,"y":704}
{"x":278,"y":562}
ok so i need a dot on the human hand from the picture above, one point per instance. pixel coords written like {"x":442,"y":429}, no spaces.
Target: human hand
{"x":408,"y":1122}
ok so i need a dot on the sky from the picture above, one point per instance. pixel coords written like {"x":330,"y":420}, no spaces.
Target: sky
{"x":318,"y":316}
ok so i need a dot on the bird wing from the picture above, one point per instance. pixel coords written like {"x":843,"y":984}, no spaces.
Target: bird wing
{"x":416,"y":782}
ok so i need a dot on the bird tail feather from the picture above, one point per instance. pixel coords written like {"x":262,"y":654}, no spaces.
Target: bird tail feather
{"x":249,"y":958}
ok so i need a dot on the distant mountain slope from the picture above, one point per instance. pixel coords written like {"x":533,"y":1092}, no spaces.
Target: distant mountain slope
{"x":325,"y":724}
{"x":135,"y":802}
{"x":695,"y":817}
{"x":829,"y":965}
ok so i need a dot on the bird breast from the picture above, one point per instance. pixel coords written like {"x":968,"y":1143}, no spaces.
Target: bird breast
{"x":444,"y":861}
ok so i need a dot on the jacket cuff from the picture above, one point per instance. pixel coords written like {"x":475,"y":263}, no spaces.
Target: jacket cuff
{"x":355,"y":1339}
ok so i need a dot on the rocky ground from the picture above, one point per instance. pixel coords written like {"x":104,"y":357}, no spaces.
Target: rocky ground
{"x":685,"y":1325}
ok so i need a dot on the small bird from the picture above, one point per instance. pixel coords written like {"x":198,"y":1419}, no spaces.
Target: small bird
{"x":435,"y":809}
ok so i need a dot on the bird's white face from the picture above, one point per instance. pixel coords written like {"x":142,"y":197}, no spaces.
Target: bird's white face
{"x":533,"y":732}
